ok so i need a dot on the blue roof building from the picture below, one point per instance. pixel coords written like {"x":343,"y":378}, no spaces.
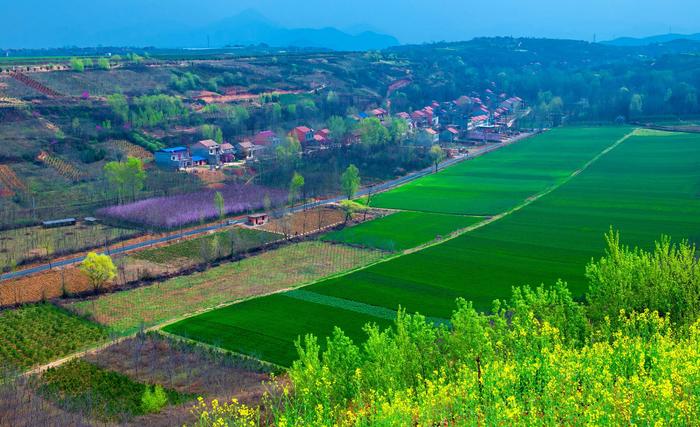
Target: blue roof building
{"x":173,"y":158}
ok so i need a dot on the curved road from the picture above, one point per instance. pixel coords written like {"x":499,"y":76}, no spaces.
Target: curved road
{"x":362,"y":192}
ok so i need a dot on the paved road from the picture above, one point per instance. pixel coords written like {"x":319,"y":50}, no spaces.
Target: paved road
{"x":362,"y":192}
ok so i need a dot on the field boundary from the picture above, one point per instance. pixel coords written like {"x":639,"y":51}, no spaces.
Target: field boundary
{"x":350,"y":305}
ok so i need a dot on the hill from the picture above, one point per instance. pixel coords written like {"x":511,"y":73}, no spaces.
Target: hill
{"x":645,"y":41}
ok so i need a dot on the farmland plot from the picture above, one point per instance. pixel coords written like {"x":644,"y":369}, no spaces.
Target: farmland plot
{"x":645,"y":187}
{"x":282,"y":268}
{"x":493,"y":183}
{"x":401,"y":230}
{"x":38,"y":334}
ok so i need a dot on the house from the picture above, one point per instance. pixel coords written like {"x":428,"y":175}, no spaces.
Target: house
{"x":246,"y":149}
{"x":379,"y":113}
{"x":303,"y":134}
{"x":450,"y":134}
{"x":322,"y":137}
{"x":266,"y":138}
{"x":258,"y":219}
{"x":432,"y":134}
{"x":208,"y":149}
{"x":173,"y":158}
{"x":228,"y":152}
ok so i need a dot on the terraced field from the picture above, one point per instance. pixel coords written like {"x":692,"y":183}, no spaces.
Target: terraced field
{"x":401,"y":230}
{"x":646,"y":186}
{"x":493,"y":183}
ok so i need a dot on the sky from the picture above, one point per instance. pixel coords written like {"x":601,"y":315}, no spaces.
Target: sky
{"x":36,"y":23}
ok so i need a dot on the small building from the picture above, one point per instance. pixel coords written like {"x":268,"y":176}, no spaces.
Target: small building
{"x":432,"y":134}
{"x":266,"y":138}
{"x":258,"y":219}
{"x":303,"y":134}
{"x":59,"y":223}
{"x":209,"y":150}
{"x":450,"y":134}
{"x":379,"y":113}
{"x":173,"y":158}
{"x":228,"y":152}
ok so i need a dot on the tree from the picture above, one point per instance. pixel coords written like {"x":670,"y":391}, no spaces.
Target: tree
{"x":295,"y":186}
{"x":437,"y":155}
{"x":126,"y":176}
{"x":99,"y":269}
{"x":219,"y":204}
{"x":338,"y":127}
{"x":372,"y":132}
{"x":636,"y":106}
{"x":119,"y":105}
{"x":152,"y":402}
{"x":350,"y":181}
{"x":76,"y":64}
{"x":288,"y":152}
{"x":398,"y":128}
{"x":351,"y":207}
{"x":103,"y":63}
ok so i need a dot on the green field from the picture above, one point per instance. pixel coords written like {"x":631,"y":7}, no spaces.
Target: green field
{"x":500,"y":180}
{"x":267,"y":327}
{"x":647,"y":186}
{"x":401,"y":230}
{"x":214,"y":245}
{"x":38,"y":334}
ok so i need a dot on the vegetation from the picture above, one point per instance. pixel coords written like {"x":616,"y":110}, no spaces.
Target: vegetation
{"x":80,"y":386}
{"x":38,"y":334}
{"x":126,"y":177}
{"x":209,"y":247}
{"x":99,"y":269}
{"x":350,"y":181}
{"x":401,"y":230}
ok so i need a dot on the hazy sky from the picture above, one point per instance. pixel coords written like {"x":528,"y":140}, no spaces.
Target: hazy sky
{"x":52,"y":22}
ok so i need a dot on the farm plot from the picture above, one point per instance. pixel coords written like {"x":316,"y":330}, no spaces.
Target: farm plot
{"x":97,"y":393}
{"x":401,"y":230}
{"x":282,"y":268}
{"x":25,"y":244}
{"x":206,"y":248}
{"x":310,"y":220}
{"x":497,"y":181}
{"x":183,"y":209}
{"x":266,"y":328}
{"x":646,"y":187}
{"x":41,"y":333}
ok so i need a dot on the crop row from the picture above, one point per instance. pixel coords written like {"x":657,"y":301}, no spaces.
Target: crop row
{"x":38,"y":334}
{"x":61,"y":166}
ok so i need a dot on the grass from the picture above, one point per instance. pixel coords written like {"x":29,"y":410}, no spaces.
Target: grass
{"x":37,"y":334}
{"x":268,"y":272}
{"x":233,"y":241}
{"x":401,"y":230}
{"x":500,"y":180}
{"x":80,"y":386}
{"x":267,"y":327}
{"x":647,"y":186}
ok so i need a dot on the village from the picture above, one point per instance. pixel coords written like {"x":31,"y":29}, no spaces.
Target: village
{"x":453,"y":125}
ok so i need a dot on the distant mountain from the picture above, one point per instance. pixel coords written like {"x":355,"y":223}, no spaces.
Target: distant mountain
{"x":246,"y":28}
{"x":250,"y":27}
{"x":645,"y":41}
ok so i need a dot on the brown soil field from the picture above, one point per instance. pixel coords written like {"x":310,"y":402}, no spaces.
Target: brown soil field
{"x":155,"y":359}
{"x":57,"y":283}
{"x":301,"y":223}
